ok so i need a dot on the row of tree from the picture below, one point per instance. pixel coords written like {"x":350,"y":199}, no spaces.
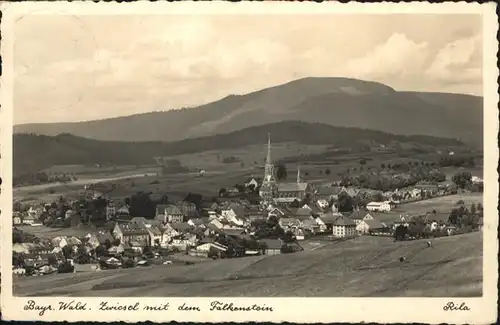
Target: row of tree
{"x":388,"y":182}
{"x":38,"y":178}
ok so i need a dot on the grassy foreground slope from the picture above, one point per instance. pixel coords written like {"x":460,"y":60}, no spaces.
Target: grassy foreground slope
{"x":363,"y":267}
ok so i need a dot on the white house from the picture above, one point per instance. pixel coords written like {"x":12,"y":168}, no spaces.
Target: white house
{"x":216,"y":223}
{"x":476,"y":180}
{"x":321,"y":224}
{"x":252,"y":182}
{"x":17,"y":220}
{"x":368,"y":217}
{"x":379,"y":206}
{"x":110,"y":211}
{"x":367,"y":225}
{"x":197,"y":223}
{"x":156,"y":235}
{"x":29,"y":219}
{"x":232,"y":216}
{"x":59,"y":242}
{"x":344,"y":227}
{"x":168,"y":232}
{"x":207,"y":246}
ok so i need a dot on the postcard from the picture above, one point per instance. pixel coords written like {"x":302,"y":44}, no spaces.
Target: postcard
{"x":255,"y":161}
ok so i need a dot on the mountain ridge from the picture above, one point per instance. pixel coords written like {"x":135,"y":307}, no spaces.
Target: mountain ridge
{"x":334,"y":101}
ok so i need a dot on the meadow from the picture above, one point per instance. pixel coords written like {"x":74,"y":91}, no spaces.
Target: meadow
{"x":362,"y":267}
{"x":443,"y":206}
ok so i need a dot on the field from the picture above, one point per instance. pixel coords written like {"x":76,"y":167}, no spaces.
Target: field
{"x":443,"y":206}
{"x":362,"y":267}
{"x":250,"y":159}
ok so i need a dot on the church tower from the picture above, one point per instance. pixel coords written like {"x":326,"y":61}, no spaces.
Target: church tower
{"x":268,"y":188}
{"x":298,"y":175}
{"x":269,"y":168}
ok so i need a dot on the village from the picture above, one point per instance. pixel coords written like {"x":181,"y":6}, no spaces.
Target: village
{"x":260,"y":216}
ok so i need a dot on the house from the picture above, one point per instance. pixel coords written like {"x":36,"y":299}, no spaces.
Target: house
{"x":73,"y":241}
{"x":303,"y":213}
{"x":254,"y":214}
{"x":169,"y":213}
{"x":16,"y":219}
{"x":34,"y":212}
{"x":323,"y":204}
{"x":476,"y":180}
{"x":111,"y":211}
{"x":99,"y":238}
{"x":352,"y":192}
{"x":198,"y":223}
{"x":313,"y":208}
{"x":210,"y":231}
{"x":279,"y":212}
{"x":235,"y":214}
{"x":169,"y":232}
{"x":379,"y":206}
{"x":59,"y":242}
{"x":139,"y":222}
{"x":214,"y":223}
{"x":298,"y":233}
{"x":156,"y":236}
{"x":123,"y":213}
{"x":328,"y":219}
{"x":127,"y":233}
{"x":433,"y":225}
{"x":289,"y":223}
{"x":181,"y":227}
{"x":29,"y":219}
{"x":235,"y":233}
{"x":253,"y":182}
{"x":451,"y":230}
{"x":357,"y":216}
{"x":369,"y":225}
{"x":271,"y":246}
{"x":184,"y":241}
{"x":329,"y":193}
{"x":116,"y":250}
{"x":311,"y":227}
{"x":344,"y":227}
{"x":285,"y":201}
{"x":137,"y":245}
{"x":400,"y":223}
{"x":206,"y":247}
{"x":368,"y":217}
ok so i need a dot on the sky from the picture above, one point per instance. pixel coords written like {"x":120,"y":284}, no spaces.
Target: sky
{"x":79,"y":68}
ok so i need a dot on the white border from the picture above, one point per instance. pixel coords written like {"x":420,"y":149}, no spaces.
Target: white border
{"x":303,"y":310}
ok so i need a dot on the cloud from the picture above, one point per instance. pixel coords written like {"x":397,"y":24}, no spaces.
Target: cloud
{"x":458,"y":61}
{"x":396,"y":57}
{"x":170,"y":62}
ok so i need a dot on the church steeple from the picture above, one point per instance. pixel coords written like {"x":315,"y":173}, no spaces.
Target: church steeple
{"x":268,"y":158}
{"x":268,"y":188}
{"x":269,"y":168}
{"x":298,"y":175}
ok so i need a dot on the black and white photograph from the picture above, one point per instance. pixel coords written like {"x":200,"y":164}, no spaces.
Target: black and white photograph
{"x":225,"y":154}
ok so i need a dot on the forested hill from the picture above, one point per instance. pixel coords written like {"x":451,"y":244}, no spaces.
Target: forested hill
{"x":34,"y":152}
{"x":341,"y":102}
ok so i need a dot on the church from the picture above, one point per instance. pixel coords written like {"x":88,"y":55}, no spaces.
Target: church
{"x":282,"y":193}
